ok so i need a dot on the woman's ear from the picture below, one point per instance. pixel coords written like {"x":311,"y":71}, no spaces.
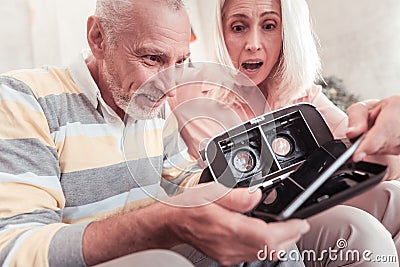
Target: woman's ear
{"x":96,"y":37}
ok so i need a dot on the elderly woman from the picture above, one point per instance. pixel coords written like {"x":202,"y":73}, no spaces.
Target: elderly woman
{"x":271,"y":43}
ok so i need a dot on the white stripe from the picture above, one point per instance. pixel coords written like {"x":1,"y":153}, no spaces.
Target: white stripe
{"x":10,"y":227}
{"x":49,"y":182}
{"x":114,"y":202}
{"x":79,"y":129}
{"x":17,"y":244}
{"x":37,"y":70}
{"x":181,"y":161}
{"x":96,"y":130}
{"x":7,"y":93}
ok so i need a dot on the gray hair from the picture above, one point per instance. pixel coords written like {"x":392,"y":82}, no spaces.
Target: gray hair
{"x":299,"y":64}
{"x":116,"y":15}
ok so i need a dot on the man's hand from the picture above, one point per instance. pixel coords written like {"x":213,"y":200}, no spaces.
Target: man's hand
{"x":210,"y":218}
{"x":382,"y":119}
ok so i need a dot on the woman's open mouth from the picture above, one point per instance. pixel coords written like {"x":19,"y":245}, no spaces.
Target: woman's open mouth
{"x":251,"y":66}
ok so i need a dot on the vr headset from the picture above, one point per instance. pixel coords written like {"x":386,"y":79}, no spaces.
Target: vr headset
{"x":291,"y":155}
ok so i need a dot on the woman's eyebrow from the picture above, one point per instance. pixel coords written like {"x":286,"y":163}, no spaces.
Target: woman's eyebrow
{"x":266,"y":13}
{"x":242,"y":15}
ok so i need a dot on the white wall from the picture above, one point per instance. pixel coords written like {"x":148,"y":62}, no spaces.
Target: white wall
{"x":201,"y":12}
{"x":42,"y":32}
{"x":59,"y":29}
{"x":360,"y":39}
{"x":15,"y":38}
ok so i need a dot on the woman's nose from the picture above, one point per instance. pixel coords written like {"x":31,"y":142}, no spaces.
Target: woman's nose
{"x":253,"y":41}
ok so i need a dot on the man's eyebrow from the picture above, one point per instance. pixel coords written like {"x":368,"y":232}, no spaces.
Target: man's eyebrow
{"x":157,"y":52}
{"x":152,"y":51}
{"x":184,"y":57}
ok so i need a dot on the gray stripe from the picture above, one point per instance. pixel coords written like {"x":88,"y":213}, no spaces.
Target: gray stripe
{"x":38,"y":216}
{"x":88,"y":186}
{"x":60,"y":109}
{"x":16,"y":85}
{"x":66,"y":246}
{"x":69,"y":108}
{"x":28,"y":155}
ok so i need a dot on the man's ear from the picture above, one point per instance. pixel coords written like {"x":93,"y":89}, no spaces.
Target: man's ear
{"x":96,"y":37}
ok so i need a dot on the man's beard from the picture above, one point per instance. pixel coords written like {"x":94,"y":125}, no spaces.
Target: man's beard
{"x":126,"y":101}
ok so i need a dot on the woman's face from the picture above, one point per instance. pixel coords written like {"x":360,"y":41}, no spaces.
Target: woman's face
{"x":253,"y":35}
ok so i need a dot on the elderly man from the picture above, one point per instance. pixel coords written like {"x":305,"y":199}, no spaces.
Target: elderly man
{"x":84,"y":147}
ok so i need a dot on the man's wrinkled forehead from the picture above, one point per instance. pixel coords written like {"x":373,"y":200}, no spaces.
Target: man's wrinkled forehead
{"x":155,"y":6}
{"x":148,"y":12}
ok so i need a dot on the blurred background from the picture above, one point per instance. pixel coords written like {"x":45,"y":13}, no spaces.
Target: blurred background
{"x":360,"y":39}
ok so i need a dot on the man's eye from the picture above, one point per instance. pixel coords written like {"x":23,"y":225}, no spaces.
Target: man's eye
{"x":181,"y":62}
{"x":151,"y":60}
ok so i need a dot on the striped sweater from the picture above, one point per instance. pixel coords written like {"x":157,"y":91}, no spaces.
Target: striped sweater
{"x":67,"y":159}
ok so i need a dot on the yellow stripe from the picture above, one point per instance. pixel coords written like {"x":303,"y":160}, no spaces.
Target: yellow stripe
{"x":54,"y":81}
{"x":18,"y":121}
{"x":8,"y":236}
{"x":171,"y":174}
{"x":191,"y":180}
{"x":34,"y":250}
{"x":144,"y":144}
{"x":17,"y":199}
{"x":171,"y":125}
{"x":120,"y":210}
{"x":103,"y":151}
{"x":78,"y":153}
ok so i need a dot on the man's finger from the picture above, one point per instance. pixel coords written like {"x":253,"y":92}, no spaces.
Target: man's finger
{"x":358,"y":119}
{"x":283,"y":232}
{"x":240,"y":199}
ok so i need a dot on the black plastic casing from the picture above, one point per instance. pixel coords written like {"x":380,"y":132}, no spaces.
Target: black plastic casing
{"x":250,"y":146}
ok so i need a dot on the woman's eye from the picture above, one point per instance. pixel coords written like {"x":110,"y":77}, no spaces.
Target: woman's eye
{"x":238,"y":28}
{"x":269,"y":26}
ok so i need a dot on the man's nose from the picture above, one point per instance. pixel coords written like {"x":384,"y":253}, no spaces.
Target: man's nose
{"x":168,"y":80}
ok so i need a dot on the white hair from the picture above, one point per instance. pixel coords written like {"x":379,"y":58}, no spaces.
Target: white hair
{"x":116,"y":16}
{"x":299,"y":63}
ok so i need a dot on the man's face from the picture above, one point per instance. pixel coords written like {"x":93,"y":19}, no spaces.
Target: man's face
{"x":159,"y":40}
